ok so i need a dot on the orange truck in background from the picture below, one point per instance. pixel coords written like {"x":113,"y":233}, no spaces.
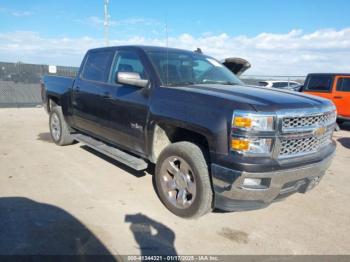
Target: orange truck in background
{"x":335,"y":87}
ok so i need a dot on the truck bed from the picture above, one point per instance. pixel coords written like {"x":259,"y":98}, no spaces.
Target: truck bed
{"x":55,"y":85}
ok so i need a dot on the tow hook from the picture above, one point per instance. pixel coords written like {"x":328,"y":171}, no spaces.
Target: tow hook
{"x":312,"y":183}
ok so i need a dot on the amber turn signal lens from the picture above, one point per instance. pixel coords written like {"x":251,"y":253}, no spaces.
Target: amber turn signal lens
{"x":239,"y":121}
{"x":240,"y":145}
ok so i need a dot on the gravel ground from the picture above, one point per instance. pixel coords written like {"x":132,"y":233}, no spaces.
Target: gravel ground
{"x":72,"y":200}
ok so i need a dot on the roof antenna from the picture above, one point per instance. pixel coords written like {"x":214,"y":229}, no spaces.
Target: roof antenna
{"x":167,"y":51}
{"x":106,"y":22}
{"x":198,"y":50}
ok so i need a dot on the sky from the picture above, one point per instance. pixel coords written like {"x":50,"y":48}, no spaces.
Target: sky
{"x":278,"y":37}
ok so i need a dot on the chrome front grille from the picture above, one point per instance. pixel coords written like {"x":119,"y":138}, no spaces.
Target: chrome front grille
{"x":306,"y":134}
{"x":301,"y":122}
{"x":305,"y":145}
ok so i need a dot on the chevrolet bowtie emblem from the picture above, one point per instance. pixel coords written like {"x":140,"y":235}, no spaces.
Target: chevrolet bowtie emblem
{"x":318,"y":132}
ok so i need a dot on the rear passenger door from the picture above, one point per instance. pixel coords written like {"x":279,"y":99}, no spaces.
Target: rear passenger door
{"x":90,"y":91}
{"x":341,"y":95}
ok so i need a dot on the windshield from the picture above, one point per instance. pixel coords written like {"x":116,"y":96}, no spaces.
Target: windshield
{"x":176,"y":68}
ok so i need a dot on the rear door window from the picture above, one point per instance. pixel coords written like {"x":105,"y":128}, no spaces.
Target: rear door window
{"x":319,"y":84}
{"x":293,"y":84}
{"x":283,"y":84}
{"x":279,"y":84}
{"x":97,"y":66}
{"x":343,"y":85}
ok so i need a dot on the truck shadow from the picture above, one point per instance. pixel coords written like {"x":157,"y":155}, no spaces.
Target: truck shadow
{"x":45,"y":137}
{"x":345,"y":126}
{"x":149,"y":170}
{"x":153,"y":237}
{"x":344,"y":141}
{"x":31,"y":228}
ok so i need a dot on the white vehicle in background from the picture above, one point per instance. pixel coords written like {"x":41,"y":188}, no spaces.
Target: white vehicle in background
{"x":279,"y":84}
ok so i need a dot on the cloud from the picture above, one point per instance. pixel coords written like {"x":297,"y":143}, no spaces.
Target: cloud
{"x":16,"y":13}
{"x":92,"y":21}
{"x":292,"y":53}
{"x":22,"y":13}
{"x":96,"y":21}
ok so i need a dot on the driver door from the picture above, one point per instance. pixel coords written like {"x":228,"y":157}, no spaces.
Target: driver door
{"x":128,"y":105}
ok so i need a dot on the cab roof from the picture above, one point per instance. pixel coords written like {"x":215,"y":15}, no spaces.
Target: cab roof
{"x":329,"y":74}
{"x":141,"y":47}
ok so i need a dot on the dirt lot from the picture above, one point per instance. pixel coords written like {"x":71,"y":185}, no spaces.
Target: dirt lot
{"x":66,"y":200}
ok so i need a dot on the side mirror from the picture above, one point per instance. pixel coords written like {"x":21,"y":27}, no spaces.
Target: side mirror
{"x":131,"y":78}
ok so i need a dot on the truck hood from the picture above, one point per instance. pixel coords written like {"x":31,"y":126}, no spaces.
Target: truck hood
{"x":236,"y":65}
{"x":260,"y":98}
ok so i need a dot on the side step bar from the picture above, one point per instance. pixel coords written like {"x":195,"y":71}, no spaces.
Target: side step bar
{"x":121,"y":156}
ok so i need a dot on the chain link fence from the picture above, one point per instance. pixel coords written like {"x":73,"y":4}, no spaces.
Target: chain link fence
{"x":20,"y":83}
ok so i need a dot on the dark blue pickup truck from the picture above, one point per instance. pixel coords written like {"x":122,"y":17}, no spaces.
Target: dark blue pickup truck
{"x":215,"y":142}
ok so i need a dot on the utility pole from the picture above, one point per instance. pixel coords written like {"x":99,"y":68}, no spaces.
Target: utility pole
{"x":106,"y":22}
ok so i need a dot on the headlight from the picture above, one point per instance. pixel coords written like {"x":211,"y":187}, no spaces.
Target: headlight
{"x":253,"y":122}
{"x":251,"y":145}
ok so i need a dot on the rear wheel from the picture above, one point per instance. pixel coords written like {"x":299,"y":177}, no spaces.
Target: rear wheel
{"x":59,"y":129}
{"x":182,"y":180}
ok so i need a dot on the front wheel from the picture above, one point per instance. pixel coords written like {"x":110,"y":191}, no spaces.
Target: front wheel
{"x":182,"y":180}
{"x":59,"y":129}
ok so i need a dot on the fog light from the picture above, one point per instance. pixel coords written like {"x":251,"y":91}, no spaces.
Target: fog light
{"x":252,"y":182}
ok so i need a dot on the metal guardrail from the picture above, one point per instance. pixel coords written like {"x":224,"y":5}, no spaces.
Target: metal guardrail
{"x":255,"y":79}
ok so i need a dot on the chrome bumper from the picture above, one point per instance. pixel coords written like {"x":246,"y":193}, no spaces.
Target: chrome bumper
{"x":232,"y":195}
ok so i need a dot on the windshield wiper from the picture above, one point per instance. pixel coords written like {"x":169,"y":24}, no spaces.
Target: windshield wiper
{"x":230,"y":83}
{"x":220,"y":83}
{"x":184,"y":83}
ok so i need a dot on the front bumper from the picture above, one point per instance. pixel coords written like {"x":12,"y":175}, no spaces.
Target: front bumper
{"x":232,"y":195}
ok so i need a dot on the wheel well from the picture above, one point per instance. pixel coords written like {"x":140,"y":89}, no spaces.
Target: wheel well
{"x":52,"y":101}
{"x":165,"y":135}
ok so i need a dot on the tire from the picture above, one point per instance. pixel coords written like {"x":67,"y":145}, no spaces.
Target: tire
{"x":182,"y":180}
{"x":59,"y":129}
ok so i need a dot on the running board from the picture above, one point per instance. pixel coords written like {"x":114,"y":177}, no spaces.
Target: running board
{"x":121,"y":156}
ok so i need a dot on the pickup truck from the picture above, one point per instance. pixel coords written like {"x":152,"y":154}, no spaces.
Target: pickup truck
{"x":215,"y":142}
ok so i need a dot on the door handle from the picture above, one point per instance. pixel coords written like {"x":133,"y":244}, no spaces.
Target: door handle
{"x":107,"y":95}
{"x":337,"y":97}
